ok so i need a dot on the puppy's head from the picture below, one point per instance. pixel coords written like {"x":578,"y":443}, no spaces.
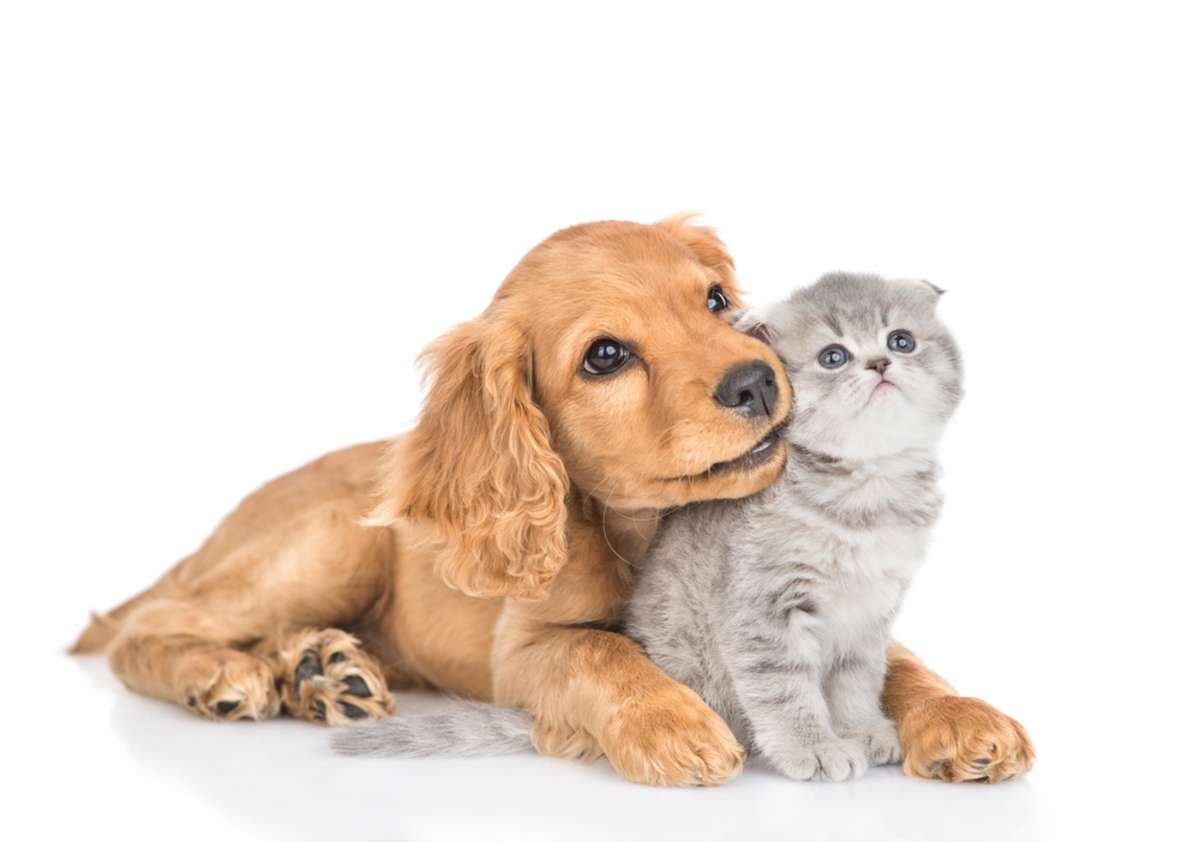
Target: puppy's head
{"x":607,"y":367}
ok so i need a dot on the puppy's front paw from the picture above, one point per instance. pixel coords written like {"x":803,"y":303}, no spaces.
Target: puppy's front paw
{"x":673,"y":739}
{"x":955,"y":738}
{"x":835,"y":759}
{"x":879,"y":740}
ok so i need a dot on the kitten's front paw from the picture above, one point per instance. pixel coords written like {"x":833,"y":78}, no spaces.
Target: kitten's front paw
{"x":833,"y":760}
{"x":879,"y":740}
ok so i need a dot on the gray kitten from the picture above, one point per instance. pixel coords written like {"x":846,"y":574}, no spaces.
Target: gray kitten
{"x":777,"y":608}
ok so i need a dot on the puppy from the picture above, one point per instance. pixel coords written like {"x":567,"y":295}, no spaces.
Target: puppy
{"x":487,"y":551}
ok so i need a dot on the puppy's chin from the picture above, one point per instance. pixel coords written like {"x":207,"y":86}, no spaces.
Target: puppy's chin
{"x":737,"y":483}
{"x":738,"y":478}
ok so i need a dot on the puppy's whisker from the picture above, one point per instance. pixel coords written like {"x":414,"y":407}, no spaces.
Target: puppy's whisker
{"x":604,"y":524}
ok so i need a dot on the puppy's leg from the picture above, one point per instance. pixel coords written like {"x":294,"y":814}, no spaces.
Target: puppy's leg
{"x":326,"y":677}
{"x":947,"y":736}
{"x":592,"y":690}
{"x":207,"y":676}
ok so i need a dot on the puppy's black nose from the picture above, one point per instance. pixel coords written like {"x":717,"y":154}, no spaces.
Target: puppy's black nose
{"x":749,"y":388}
{"x":879,"y":364}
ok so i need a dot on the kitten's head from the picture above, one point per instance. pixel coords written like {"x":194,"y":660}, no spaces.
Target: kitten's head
{"x":873,"y":369}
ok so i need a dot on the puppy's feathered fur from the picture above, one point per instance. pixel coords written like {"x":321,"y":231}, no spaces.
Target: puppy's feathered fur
{"x":481,"y":467}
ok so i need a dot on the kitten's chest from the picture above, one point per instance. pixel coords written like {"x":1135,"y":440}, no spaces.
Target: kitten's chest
{"x":860,"y":561}
{"x":861,"y":527}
{"x":866,"y":579}
{"x":854,"y":583}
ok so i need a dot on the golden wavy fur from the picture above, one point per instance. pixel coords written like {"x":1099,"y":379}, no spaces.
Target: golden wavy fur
{"x":480,"y":465}
{"x":487,"y":551}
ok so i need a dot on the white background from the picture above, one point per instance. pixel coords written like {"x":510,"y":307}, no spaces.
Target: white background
{"x":226,"y":228}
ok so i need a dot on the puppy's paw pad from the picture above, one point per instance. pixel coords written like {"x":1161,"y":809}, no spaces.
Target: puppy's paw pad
{"x":332,"y":681}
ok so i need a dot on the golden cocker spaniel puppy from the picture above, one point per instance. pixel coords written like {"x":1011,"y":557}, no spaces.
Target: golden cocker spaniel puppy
{"x":488,"y":551}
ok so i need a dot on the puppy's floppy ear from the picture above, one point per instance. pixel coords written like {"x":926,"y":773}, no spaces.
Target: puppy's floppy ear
{"x":704,"y":243}
{"x":480,"y":465}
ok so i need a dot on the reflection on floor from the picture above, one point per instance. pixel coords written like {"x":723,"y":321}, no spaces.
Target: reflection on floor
{"x":278,"y":780}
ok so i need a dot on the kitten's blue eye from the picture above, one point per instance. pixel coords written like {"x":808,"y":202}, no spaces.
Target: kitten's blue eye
{"x":717,"y":300}
{"x":902,"y":342}
{"x":835,"y":356}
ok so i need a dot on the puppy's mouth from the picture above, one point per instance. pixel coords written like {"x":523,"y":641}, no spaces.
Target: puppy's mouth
{"x":762,"y":452}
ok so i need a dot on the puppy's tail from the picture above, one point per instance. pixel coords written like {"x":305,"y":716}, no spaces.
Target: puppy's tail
{"x":472,"y":728}
{"x":104,"y":628}
{"x":98,"y":634}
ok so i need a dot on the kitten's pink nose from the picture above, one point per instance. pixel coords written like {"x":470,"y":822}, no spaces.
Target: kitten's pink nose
{"x":879,"y":364}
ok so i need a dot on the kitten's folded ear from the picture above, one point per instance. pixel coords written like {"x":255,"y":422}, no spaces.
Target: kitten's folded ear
{"x":937,"y":289}
{"x":754,"y":321}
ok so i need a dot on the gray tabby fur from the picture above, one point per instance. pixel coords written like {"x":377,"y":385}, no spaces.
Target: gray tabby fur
{"x":777,"y":608}
{"x":469,"y":728}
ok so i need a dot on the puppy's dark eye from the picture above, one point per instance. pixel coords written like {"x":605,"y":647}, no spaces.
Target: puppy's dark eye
{"x":605,"y":356}
{"x":902,"y":342}
{"x":834,"y":356}
{"x":717,"y":300}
